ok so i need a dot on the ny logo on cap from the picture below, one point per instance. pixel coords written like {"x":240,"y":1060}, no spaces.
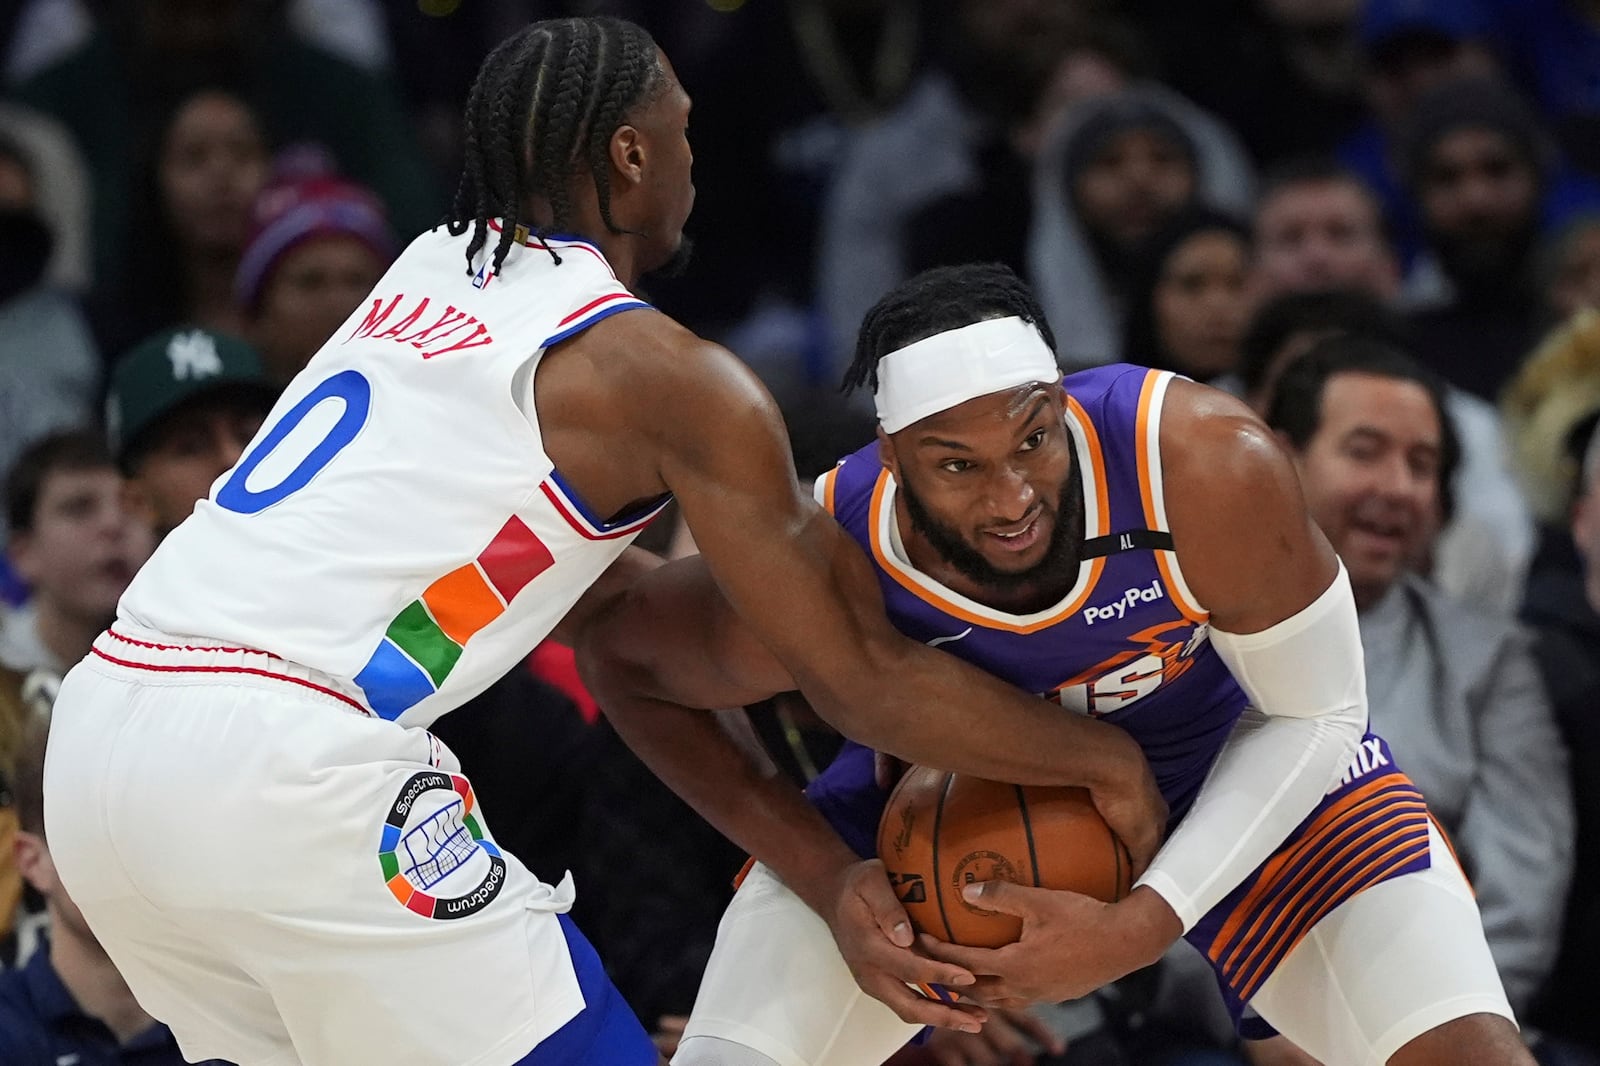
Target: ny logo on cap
{"x":194,"y":355}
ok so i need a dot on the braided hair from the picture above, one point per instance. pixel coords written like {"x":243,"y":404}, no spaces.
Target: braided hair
{"x":938,"y":300}
{"x":545,"y":102}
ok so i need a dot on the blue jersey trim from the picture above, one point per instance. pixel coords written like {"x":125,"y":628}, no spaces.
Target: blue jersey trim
{"x":589,"y":516}
{"x":605,"y":312}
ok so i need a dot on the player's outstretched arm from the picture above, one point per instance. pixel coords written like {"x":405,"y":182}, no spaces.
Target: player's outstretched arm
{"x":704,"y":653}
{"x":810,"y":596}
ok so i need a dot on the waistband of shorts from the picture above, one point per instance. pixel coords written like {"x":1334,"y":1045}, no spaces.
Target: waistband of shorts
{"x":150,"y":653}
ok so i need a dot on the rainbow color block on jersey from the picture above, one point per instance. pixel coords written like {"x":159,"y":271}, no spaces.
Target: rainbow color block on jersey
{"x":425,"y":640}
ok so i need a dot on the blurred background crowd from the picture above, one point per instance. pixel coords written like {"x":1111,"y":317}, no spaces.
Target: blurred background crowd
{"x":195,"y":194}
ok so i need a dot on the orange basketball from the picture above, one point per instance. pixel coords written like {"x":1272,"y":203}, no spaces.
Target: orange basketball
{"x":941,"y":831}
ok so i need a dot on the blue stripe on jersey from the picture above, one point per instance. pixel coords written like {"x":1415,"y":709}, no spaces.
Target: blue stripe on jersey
{"x":583,"y":324}
{"x":572,"y":497}
{"x":392,"y":682}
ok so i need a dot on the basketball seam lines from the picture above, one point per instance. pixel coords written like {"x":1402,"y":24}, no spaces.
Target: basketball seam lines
{"x":938,"y":875}
{"x":1027,"y":832}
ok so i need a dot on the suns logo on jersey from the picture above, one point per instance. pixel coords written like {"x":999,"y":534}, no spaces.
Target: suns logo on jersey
{"x":1158,"y":655}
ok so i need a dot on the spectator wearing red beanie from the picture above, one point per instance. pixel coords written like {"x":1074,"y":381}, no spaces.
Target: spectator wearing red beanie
{"x":318,"y":244}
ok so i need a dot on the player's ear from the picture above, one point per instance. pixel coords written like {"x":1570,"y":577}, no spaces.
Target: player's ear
{"x":627,"y":155}
{"x":886,"y":455}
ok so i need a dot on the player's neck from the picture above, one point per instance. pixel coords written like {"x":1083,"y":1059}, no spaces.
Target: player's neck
{"x":96,"y":986}
{"x":618,"y":248}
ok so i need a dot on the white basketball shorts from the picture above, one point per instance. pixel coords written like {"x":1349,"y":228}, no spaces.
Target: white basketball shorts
{"x":283,"y":879}
{"x":1382,"y":968}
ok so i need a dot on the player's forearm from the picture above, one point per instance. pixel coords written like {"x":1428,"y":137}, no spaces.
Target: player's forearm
{"x":929,"y":708}
{"x":1268,"y":777}
{"x":1307,"y":678}
{"x":742,"y":795}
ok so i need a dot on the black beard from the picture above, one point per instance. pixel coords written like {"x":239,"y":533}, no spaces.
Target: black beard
{"x":1049,"y":579}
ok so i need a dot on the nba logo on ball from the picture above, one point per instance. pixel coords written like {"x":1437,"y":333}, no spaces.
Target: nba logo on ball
{"x":979,"y":866}
{"x":434,"y":856}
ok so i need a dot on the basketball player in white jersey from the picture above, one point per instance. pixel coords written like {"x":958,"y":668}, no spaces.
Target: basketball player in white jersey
{"x":241,"y":791}
{"x":1134,"y":548}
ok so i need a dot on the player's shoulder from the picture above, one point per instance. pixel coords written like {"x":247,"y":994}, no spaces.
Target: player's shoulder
{"x":658,"y":373}
{"x":653,"y":347}
{"x":1204,"y":427}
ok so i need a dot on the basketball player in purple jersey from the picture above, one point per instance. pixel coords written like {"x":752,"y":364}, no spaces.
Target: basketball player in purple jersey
{"x":242,"y":794}
{"x":1134,"y":548}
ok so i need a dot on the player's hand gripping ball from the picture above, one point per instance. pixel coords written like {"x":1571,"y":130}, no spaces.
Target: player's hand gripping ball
{"x":942,"y":831}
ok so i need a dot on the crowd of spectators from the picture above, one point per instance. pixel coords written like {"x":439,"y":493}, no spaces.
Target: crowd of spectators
{"x":1377,"y":221}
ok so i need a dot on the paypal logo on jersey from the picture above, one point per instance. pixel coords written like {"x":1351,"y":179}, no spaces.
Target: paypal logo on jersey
{"x":1119,"y":606}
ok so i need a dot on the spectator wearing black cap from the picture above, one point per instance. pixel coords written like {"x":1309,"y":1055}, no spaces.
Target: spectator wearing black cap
{"x":1487,"y":181}
{"x":181,"y":408}
{"x":317,"y":246}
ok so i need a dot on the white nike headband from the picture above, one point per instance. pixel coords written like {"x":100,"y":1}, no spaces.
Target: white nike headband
{"x":950,"y":368}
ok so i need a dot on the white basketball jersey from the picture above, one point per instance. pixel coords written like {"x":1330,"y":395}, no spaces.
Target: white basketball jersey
{"x":396,"y":523}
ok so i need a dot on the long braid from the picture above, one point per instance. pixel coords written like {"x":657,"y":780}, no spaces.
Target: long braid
{"x":935,"y":301}
{"x":545,"y":101}
{"x":634,"y":63}
{"x":556,"y":145}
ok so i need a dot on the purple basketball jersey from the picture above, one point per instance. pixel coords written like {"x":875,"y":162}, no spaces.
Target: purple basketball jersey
{"x":1129,"y":645}
{"x":1126,"y":644}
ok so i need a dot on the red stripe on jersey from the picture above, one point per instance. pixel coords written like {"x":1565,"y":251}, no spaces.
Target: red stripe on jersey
{"x":173,"y":668}
{"x":592,"y":304}
{"x":583,"y":527}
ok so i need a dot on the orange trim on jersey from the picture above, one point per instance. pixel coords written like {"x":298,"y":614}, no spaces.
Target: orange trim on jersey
{"x":744,"y":872}
{"x":830,"y":482}
{"x":462,"y":602}
{"x":880,"y":552}
{"x":1144,"y":468}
